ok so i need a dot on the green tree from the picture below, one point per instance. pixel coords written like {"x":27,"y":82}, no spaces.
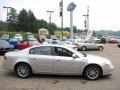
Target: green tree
{"x":67,"y":29}
{"x":94,"y":34}
{"x":32,"y":22}
{"x":27,"y":21}
{"x":74,"y":29}
{"x":22,"y":21}
{"x":12,"y":19}
{"x":52,"y":28}
{"x":42,"y":24}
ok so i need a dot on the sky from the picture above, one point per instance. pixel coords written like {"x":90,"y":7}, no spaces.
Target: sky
{"x":103,"y":14}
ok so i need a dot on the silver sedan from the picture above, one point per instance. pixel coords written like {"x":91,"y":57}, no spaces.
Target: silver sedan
{"x":56,"y":59}
{"x":89,"y":45}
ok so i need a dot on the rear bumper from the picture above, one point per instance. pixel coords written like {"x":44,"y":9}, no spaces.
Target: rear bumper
{"x":7,"y":65}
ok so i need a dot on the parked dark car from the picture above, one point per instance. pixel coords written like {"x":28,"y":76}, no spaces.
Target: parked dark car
{"x":5,"y":47}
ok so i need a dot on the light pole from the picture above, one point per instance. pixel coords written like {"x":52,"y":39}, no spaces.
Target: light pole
{"x":61,"y":15}
{"x":7,"y":11}
{"x":50,"y":19}
{"x":86,"y":22}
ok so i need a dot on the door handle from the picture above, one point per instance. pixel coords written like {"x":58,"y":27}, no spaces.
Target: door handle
{"x":33,"y":59}
{"x":59,"y":61}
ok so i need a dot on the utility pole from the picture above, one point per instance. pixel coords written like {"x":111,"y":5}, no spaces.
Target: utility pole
{"x":7,"y":16}
{"x":61,"y":15}
{"x":86,"y":22}
{"x":50,"y":20}
{"x":7,"y":11}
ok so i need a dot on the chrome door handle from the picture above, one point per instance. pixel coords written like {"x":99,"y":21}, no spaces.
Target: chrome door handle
{"x":59,"y":61}
{"x":33,"y":59}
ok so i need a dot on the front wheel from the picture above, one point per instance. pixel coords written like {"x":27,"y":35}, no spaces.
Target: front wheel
{"x":100,"y":48}
{"x":23,"y":70}
{"x":92,"y":72}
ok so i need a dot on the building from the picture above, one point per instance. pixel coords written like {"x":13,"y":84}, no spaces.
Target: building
{"x":43,"y":31}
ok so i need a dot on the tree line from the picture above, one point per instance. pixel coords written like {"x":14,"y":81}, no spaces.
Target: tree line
{"x":25,"y":21}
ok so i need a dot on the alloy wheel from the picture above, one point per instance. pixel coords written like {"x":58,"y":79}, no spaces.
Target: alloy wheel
{"x":23,"y":70}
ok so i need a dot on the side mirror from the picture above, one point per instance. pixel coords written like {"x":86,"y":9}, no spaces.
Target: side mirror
{"x":74,"y":56}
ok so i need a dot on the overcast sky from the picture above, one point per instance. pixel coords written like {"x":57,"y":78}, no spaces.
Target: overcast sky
{"x":104,"y":14}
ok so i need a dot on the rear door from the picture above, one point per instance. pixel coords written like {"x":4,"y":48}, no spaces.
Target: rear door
{"x":42,"y":59}
{"x":90,"y":45}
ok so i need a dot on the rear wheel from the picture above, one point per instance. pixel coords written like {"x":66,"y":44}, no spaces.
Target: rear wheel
{"x":23,"y":70}
{"x":83,"y":48}
{"x":92,"y":72}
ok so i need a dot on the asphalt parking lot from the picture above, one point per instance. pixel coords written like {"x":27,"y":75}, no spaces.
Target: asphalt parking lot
{"x":9,"y":81}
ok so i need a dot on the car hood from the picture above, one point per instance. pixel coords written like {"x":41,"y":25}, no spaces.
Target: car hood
{"x":97,"y":59}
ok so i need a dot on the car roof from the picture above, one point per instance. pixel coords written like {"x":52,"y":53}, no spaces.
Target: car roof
{"x":53,"y":45}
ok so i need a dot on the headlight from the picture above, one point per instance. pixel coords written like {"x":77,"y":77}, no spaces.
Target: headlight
{"x":107,"y":65}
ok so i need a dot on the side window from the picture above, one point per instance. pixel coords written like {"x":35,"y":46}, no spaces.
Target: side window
{"x":62,"y":52}
{"x":41,"y":50}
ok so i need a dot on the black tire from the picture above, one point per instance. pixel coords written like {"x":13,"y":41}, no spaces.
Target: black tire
{"x":83,"y":48}
{"x":100,"y":48}
{"x":23,"y":70}
{"x":78,"y":49}
{"x":92,"y":72}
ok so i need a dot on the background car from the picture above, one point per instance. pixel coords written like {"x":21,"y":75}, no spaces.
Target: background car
{"x":56,"y":59}
{"x":30,"y":36}
{"x":59,"y":42}
{"x":19,"y":37}
{"x":14,"y":42}
{"x":25,"y":44}
{"x":5,"y":37}
{"x":5,"y":47}
{"x":89,"y":45}
{"x":113,"y":40}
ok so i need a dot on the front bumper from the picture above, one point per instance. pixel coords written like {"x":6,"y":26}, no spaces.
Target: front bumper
{"x":108,"y":70}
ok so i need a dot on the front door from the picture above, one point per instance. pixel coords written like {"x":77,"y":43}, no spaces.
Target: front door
{"x":64,"y":62}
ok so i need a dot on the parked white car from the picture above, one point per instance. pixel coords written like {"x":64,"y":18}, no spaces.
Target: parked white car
{"x":19,"y":37}
{"x":58,"y":42}
{"x":56,"y":59}
{"x":89,"y":45}
{"x":5,"y":37}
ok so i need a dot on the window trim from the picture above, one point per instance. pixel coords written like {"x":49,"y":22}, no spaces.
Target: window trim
{"x":61,"y":55}
{"x":51,"y":50}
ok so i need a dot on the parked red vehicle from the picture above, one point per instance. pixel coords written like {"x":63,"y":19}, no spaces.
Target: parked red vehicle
{"x":25,"y":44}
{"x":113,"y":40}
